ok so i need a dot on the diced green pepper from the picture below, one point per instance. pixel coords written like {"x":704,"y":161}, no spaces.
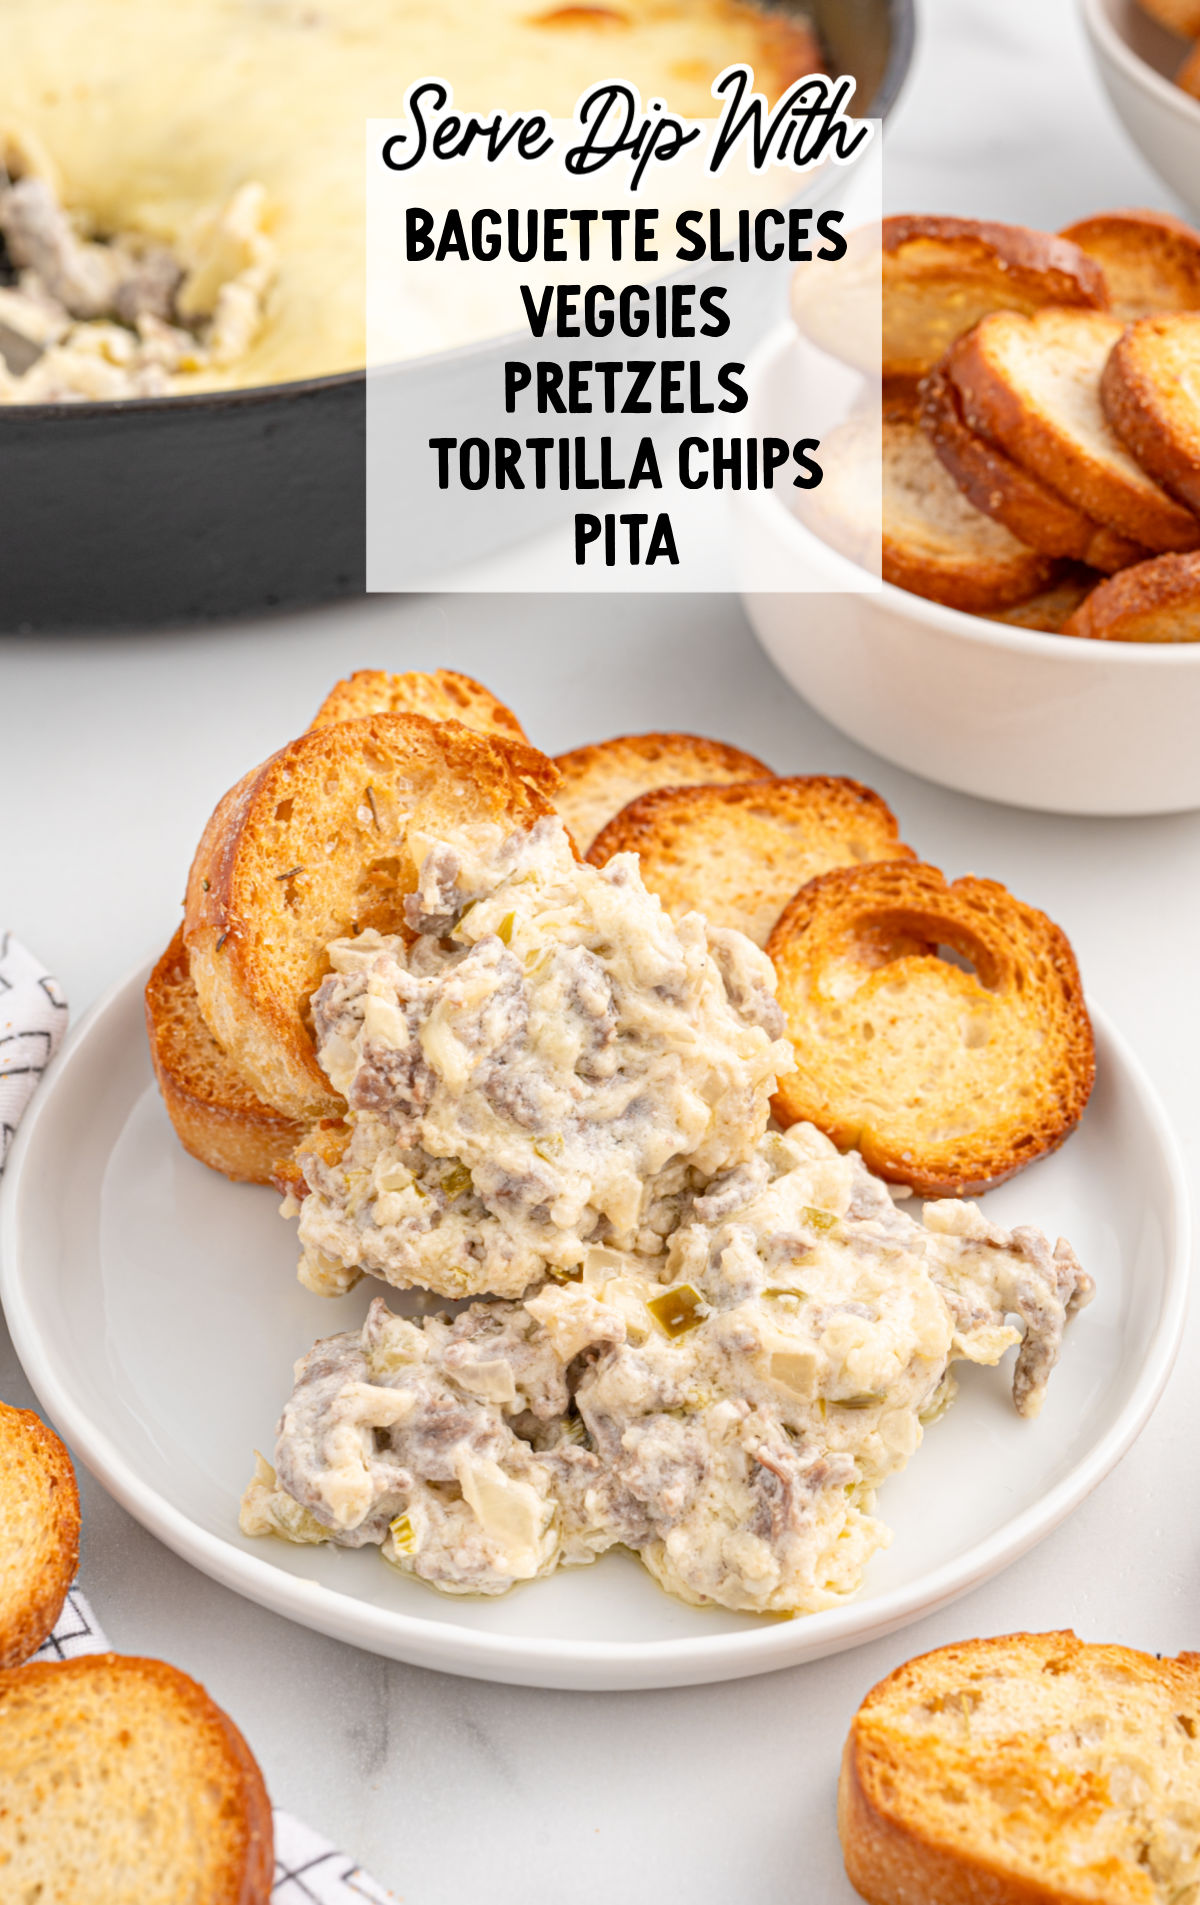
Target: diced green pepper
{"x":677,"y":1311}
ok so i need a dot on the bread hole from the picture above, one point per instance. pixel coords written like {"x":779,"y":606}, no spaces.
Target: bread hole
{"x":951,"y":956}
{"x":283,"y":811}
{"x":1187,"y":1724}
{"x":1057,"y":1664}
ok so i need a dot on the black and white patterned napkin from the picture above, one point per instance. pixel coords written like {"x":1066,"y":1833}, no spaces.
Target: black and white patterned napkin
{"x":33,"y":1018}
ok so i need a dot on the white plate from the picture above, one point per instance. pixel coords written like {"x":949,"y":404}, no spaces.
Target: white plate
{"x":156,"y":1311}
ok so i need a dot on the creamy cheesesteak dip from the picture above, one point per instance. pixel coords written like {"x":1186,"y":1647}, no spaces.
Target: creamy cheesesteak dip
{"x":143,"y":119}
{"x":729,"y":1336}
{"x":82,"y":320}
{"x":539,"y":1071}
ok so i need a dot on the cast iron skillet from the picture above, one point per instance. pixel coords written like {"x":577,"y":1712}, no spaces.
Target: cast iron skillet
{"x":185,"y":508}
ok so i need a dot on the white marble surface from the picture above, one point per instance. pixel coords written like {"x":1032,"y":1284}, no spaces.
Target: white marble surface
{"x":114,"y":750}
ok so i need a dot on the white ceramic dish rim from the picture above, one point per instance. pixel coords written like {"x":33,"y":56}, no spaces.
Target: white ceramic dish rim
{"x":760,"y":1650}
{"x":1164,"y":91}
{"x":1075,"y":651}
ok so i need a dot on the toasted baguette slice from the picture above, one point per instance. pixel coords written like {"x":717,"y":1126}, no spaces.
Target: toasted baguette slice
{"x":598,"y":781}
{"x":944,"y":1078}
{"x":1151,"y":395}
{"x":990,"y":479}
{"x":737,"y":854}
{"x":934,"y":541}
{"x":1032,"y":384}
{"x":938,"y":277}
{"x":941,"y":275}
{"x":124,"y":1784}
{"x":1031,"y":1769}
{"x":315,"y":846}
{"x":39,"y":1533}
{"x":215,"y":1114}
{"x":1181,"y":16}
{"x":1158,"y":601}
{"x":1050,"y":611}
{"x":1150,"y":260}
{"x":441,"y":695}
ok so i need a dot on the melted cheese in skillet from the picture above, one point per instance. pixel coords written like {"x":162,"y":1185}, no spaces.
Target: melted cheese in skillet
{"x":145,"y":112}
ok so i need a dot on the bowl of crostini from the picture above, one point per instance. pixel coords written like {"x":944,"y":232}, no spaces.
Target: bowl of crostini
{"x":1147,"y":53}
{"x":1011,"y":541}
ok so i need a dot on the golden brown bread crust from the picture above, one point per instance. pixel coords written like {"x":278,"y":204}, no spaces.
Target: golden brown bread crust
{"x":100,"y":1710}
{"x":941,"y":275}
{"x":441,"y":695}
{"x":1157,"y":601}
{"x":1150,"y":260}
{"x":312,"y":847}
{"x":217,"y":1117}
{"x":39,"y":1517}
{"x":1188,"y":76}
{"x":1050,"y":610}
{"x":1181,"y":16}
{"x":998,"y":486}
{"x":1151,"y":395}
{"x":1093,"y":472}
{"x":949,"y":1796}
{"x":737,"y":853}
{"x":948,"y":1080}
{"x":597,"y":781}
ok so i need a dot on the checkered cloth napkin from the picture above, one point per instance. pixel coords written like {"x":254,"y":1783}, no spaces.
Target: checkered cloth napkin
{"x":33,"y":1018}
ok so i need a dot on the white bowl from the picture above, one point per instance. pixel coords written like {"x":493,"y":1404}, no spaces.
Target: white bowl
{"x":1138,"y":60}
{"x":1054,"y":722}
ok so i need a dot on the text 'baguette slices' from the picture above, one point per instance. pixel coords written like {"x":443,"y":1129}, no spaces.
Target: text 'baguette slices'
{"x":938,"y":277}
{"x":1157,"y":601}
{"x":737,"y":854}
{"x":1032,"y":384}
{"x":217,"y":1118}
{"x":124,"y":1784}
{"x":1050,"y":610}
{"x":1150,"y":260}
{"x":598,"y":781}
{"x":1151,"y":394}
{"x":314,"y":848}
{"x":935,"y":542}
{"x":39,"y":1533}
{"x":948,"y":1077}
{"x":1032,"y":1769}
{"x":440,"y":695}
{"x":991,"y":480}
